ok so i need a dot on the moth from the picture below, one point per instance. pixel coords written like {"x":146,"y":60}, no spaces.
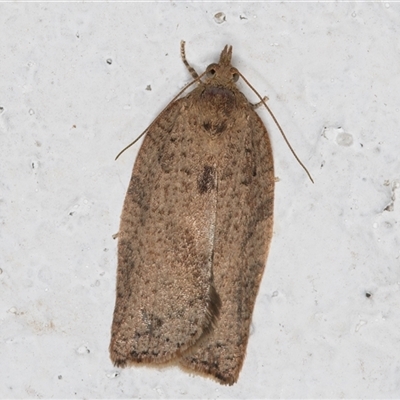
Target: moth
{"x":195,"y":231}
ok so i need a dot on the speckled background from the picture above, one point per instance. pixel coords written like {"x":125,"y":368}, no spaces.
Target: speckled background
{"x":79,"y":81}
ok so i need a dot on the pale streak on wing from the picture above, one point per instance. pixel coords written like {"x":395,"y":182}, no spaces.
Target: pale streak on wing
{"x":243,"y":234}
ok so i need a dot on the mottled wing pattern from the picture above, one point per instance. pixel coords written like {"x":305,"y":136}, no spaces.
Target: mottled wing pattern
{"x":165,"y":294}
{"x":242,"y":235}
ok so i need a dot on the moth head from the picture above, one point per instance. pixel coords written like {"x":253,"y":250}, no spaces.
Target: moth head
{"x":222,"y":74}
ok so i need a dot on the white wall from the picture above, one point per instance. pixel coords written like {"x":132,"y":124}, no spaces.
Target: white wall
{"x":332,"y":75}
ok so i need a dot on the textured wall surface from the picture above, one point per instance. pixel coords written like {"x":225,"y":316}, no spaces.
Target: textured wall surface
{"x":80,"y":81}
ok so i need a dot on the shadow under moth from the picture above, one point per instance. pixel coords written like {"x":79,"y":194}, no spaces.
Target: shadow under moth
{"x":195,"y":231}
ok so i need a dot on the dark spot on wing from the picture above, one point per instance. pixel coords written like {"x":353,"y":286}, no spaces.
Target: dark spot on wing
{"x":214,"y":129}
{"x":206,"y":181}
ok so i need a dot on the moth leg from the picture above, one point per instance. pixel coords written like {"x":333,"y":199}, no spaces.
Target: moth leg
{"x":188,"y":66}
{"x":260,"y":103}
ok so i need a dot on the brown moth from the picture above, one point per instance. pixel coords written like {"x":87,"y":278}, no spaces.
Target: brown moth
{"x":195,"y":231}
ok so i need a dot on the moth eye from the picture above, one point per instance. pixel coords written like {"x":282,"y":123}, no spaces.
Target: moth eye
{"x":211,"y":70}
{"x":235,"y":77}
